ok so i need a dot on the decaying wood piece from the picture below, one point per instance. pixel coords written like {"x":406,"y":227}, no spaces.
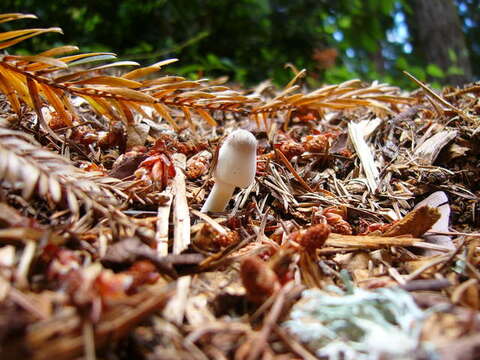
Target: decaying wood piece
{"x":428,"y":151}
{"x":356,"y":132}
{"x":163,"y":220}
{"x":181,"y":215}
{"x":373,"y":242}
{"x":175,"y":309}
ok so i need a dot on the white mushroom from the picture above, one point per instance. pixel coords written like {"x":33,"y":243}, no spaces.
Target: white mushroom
{"x":236,"y":166}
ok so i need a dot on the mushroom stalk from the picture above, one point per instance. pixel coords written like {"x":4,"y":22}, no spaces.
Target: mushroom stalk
{"x":219,"y":197}
{"x":235,"y":167}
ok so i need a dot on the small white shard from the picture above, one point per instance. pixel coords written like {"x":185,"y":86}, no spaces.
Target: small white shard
{"x":438,"y":200}
{"x":356,"y":132}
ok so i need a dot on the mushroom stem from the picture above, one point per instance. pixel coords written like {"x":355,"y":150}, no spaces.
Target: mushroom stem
{"x":219,"y":196}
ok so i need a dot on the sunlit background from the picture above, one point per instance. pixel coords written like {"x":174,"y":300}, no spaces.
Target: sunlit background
{"x":252,"y":40}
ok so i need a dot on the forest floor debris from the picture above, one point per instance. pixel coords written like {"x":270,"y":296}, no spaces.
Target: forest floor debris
{"x":104,"y":252}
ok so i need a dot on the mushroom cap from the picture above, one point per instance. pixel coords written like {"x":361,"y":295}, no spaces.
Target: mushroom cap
{"x":237,"y":159}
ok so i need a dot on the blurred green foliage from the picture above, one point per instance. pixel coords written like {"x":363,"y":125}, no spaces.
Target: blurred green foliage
{"x":248,"y":40}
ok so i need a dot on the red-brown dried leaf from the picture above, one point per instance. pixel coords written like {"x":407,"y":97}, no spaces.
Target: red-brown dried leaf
{"x":281,"y":264}
{"x":305,"y":115}
{"x":127,"y":163}
{"x":114,"y":137}
{"x":111,"y":286}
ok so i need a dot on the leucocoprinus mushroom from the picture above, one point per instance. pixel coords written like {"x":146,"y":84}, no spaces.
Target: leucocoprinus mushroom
{"x":236,"y":166}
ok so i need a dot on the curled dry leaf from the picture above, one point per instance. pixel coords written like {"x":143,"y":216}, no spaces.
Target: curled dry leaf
{"x":127,"y":163}
{"x":335,"y":217}
{"x":439,"y":201}
{"x":415,"y":223}
{"x":316,"y":143}
{"x":131,"y":250}
{"x":288,"y":146}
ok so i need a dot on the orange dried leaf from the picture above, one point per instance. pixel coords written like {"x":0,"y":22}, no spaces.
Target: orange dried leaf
{"x":20,"y":35}
{"x":110,"y":81}
{"x":123,"y":93}
{"x":206,"y":116}
{"x":137,"y":73}
{"x":18,"y":83}
{"x":45,"y":60}
{"x":71,"y":58}
{"x":60,"y":50}
{"x":313,"y":237}
{"x":35,"y":97}
{"x":79,"y":74}
{"x":126,"y":109}
{"x":416,"y":223}
{"x":55,"y":101}
{"x":100,"y":106}
{"x":163,"y":110}
{"x":138,"y":108}
{"x":7,"y":89}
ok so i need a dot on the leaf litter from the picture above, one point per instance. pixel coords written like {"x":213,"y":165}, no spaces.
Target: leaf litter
{"x":358,"y":239}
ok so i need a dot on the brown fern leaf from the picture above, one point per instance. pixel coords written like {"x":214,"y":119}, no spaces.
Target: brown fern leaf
{"x":347,"y":95}
{"x":22,"y":85}
{"x":26,"y":166}
{"x":344,"y":96}
{"x":41,"y":80}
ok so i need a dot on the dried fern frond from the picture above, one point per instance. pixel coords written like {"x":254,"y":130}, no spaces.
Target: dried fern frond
{"x":346,"y":95}
{"x":11,"y":38}
{"x":22,"y":80}
{"x":34,"y":80}
{"x":42,"y":80}
{"x":28,"y":167}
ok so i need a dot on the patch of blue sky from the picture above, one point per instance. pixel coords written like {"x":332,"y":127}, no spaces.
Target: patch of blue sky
{"x":399,"y":33}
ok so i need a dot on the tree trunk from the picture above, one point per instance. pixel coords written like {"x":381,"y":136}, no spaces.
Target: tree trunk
{"x":436,"y":29}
